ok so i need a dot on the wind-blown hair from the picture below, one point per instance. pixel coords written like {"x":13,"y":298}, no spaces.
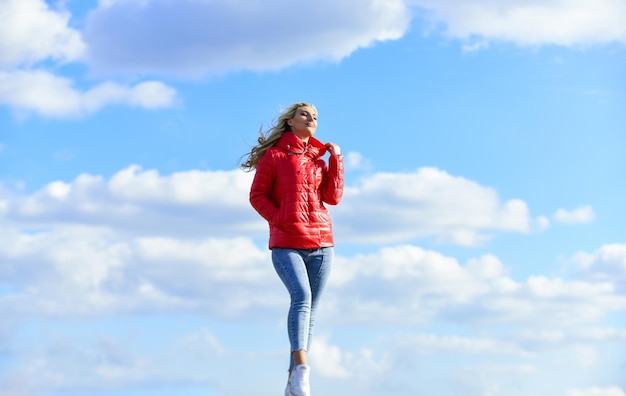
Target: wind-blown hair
{"x":269,"y":138}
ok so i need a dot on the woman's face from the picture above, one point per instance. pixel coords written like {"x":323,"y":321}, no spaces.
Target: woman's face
{"x":304,"y":122}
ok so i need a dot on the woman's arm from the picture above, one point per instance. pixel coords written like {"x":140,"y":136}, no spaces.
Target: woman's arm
{"x":333,"y":188}
{"x":262,"y":187}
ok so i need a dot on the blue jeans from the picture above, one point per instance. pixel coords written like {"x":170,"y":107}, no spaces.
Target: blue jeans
{"x":304,"y":272}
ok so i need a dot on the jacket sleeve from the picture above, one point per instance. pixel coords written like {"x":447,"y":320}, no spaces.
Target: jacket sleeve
{"x":261,"y":189}
{"x":333,"y":189}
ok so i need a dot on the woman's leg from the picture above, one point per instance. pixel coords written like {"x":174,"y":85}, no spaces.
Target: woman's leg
{"x":291,"y":268}
{"x":304,"y":272}
{"x":318,"y":264}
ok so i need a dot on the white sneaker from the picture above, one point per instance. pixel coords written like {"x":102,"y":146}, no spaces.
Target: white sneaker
{"x":298,"y":384}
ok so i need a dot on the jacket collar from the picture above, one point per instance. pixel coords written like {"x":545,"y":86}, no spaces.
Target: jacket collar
{"x":294,"y":145}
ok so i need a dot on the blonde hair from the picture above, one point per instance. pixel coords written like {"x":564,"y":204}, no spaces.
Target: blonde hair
{"x":269,"y":138}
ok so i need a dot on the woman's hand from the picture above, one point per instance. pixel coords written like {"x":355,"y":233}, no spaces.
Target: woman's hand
{"x":333,"y":148}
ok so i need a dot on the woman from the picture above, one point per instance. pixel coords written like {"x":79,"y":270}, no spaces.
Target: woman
{"x":291,"y":185}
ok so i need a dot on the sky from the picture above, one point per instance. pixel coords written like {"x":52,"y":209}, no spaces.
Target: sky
{"x":480,"y":243}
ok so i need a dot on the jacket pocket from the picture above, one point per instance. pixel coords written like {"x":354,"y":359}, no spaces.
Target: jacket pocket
{"x":285,"y":219}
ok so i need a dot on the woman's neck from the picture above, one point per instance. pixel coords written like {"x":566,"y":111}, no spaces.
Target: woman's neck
{"x":304,"y":138}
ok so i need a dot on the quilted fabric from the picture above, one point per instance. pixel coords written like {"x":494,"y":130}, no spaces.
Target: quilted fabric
{"x":291,"y":185}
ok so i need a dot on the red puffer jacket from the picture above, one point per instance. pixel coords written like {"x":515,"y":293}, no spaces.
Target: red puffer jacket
{"x":289,"y":190}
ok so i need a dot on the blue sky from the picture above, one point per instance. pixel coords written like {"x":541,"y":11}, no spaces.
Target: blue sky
{"x":480,"y":241}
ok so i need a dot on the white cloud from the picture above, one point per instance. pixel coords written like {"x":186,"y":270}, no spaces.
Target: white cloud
{"x":365,"y":368}
{"x":143,"y":202}
{"x":384,"y":208}
{"x":583,"y":214}
{"x":597,"y":391}
{"x":93,"y":271}
{"x":199,"y":37}
{"x":40,"y":92}
{"x":123,"y":246}
{"x":148,"y":95}
{"x":491,"y":361}
{"x":416,"y":286}
{"x":475,"y":46}
{"x":140,"y":230}
{"x":105,"y":364}
{"x":218,"y":188}
{"x":491,"y":378}
{"x":586,"y":356}
{"x":429,"y":202}
{"x":328,"y":358}
{"x":30,"y":32}
{"x":454,"y":344}
{"x":192,"y":38}
{"x":356,"y":161}
{"x":90,"y":271}
{"x":541,"y":339}
{"x":541,"y":223}
{"x":608,"y":263}
{"x":204,"y":340}
{"x":535,"y":22}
